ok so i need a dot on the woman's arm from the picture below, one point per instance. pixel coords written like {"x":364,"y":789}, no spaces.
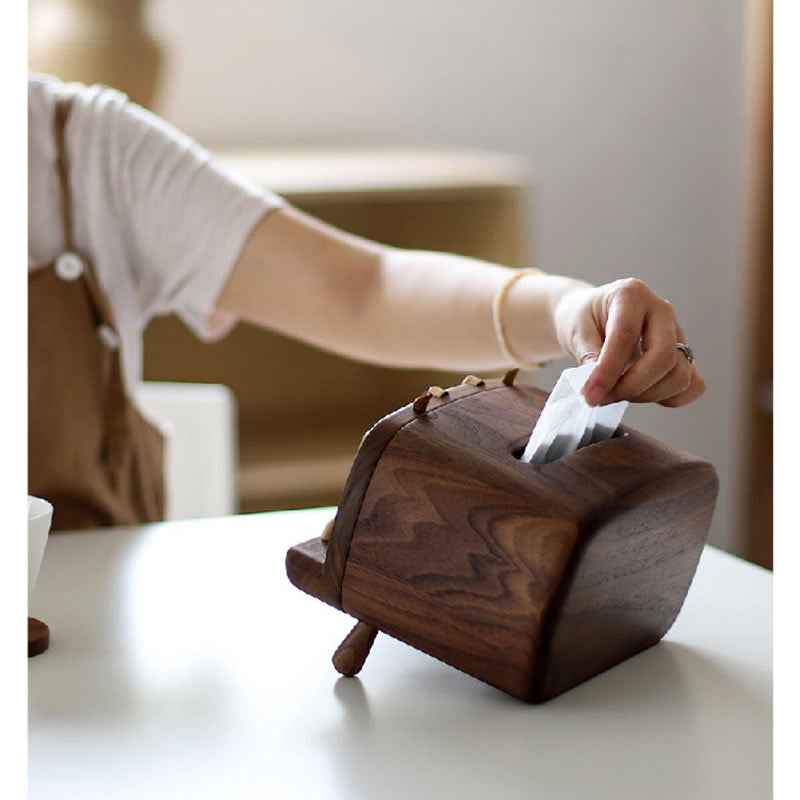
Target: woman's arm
{"x":306,"y":279}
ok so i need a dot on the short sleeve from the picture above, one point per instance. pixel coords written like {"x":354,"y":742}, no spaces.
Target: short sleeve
{"x":181,"y":217}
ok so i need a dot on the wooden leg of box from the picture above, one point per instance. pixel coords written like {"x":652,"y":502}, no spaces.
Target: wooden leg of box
{"x":353,"y":651}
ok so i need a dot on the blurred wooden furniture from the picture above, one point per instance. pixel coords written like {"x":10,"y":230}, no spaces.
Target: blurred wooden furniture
{"x":756,"y":350}
{"x":302,"y":412}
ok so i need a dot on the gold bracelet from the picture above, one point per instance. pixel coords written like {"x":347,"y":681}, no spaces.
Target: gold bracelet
{"x":497,"y":315}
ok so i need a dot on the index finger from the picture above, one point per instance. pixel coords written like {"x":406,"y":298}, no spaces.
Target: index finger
{"x":623,"y":333}
{"x":658,"y":355}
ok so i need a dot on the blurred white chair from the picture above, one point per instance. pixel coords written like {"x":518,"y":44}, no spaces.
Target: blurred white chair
{"x":200,"y":455}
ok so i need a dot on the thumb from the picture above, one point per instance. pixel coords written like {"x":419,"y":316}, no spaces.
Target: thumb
{"x":578,"y":324}
{"x":587,"y":346}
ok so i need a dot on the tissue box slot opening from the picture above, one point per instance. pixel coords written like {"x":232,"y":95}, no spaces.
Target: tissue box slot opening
{"x":519,"y":449}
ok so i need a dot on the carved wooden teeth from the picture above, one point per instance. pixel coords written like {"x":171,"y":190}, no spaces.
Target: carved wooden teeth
{"x":508,"y":378}
{"x":421,"y":403}
{"x":473,"y":380}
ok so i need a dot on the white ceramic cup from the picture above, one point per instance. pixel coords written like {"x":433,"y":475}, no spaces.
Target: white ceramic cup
{"x":40,"y":515}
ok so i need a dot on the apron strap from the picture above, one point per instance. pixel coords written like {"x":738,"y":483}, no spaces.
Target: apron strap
{"x":99,"y":299}
{"x":63,"y":107}
{"x":117,"y":405}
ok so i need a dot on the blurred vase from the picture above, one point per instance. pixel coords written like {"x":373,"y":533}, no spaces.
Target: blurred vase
{"x":97,"y":41}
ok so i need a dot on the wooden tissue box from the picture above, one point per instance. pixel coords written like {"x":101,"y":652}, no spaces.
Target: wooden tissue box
{"x":532,"y":578}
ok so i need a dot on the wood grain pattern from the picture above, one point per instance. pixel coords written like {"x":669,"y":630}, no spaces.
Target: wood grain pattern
{"x":530,"y":577}
{"x":367,"y":457}
{"x":627,"y":579}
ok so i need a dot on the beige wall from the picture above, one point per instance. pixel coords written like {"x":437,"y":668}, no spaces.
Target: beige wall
{"x":630,"y":112}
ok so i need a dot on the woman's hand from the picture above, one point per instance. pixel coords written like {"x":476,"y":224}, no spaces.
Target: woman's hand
{"x":633,"y":334}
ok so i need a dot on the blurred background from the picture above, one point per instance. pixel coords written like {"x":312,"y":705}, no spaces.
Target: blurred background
{"x":596,"y":138}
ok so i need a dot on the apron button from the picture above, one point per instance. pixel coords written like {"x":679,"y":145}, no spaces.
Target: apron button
{"x":108,"y":336}
{"x":69,"y":266}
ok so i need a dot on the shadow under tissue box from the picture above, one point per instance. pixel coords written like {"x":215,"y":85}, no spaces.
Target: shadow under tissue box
{"x":532,"y":578}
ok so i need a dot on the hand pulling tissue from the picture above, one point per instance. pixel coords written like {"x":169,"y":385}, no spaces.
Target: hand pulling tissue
{"x":568,"y":422}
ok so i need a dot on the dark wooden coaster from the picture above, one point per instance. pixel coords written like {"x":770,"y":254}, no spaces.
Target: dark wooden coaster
{"x":38,"y":637}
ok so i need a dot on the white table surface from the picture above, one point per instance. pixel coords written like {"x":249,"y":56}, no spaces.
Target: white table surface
{"x":184,"y":664}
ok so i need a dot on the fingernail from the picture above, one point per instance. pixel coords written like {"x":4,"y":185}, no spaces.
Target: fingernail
{"x":595,"y":396}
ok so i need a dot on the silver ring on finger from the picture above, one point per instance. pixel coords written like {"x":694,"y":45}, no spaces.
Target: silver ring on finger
{"x":687,"y":351}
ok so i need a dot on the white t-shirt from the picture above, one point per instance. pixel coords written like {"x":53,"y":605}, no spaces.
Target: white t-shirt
{"x":161,"y":221}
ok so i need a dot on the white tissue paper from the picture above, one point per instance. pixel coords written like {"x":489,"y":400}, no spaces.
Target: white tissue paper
{"x":568,"y":422}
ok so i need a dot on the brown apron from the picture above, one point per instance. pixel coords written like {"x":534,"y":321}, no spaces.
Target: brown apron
{"x":90,"y":452}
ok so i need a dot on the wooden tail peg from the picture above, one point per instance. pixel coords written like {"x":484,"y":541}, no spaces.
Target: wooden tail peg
{"x":353,"y":651}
